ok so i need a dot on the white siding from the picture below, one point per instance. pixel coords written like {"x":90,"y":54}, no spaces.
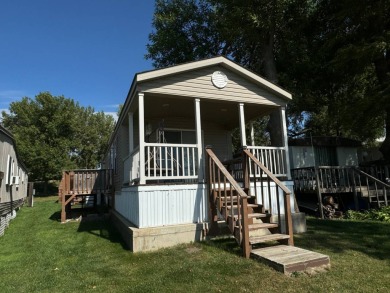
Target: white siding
{"x":274,"y":208}
{"x":197,"y":84}
{"x":161,"y":205}
{"x":7,"y":152}
{"x":301,"y":156}
{"x":347,"y":156}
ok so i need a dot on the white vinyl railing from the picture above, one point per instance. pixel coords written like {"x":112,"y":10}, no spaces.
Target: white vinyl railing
{"x":171,"y":161}
{"x":274,"y":158}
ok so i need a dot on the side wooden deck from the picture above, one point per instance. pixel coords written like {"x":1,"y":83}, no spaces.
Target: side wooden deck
{"x":82,"y":184}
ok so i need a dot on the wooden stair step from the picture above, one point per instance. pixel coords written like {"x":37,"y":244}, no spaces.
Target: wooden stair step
{"x":250,"y":205}
{"x":262,"y":226}
{"x":253,"y":215}
{"x":258,"y":226}
{"x":267,"y":238}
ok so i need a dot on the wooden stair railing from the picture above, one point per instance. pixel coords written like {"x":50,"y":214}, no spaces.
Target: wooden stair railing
{"x":239,"y":210}
{"x":375,"y":189}
{"x":263,"y":173}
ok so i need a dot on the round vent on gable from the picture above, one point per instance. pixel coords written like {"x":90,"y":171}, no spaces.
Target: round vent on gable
{"x":219,"y":79}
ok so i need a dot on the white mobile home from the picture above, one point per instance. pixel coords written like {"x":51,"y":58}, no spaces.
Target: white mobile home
{"x":13,"y":179}
{"x":175,"y":125}
{"x":323,"y":151}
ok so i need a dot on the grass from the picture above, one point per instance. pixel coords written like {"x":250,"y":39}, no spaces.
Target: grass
{"x":39,"y":254}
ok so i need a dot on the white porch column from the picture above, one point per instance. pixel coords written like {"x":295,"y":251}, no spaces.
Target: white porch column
{"x":285,"y":139}
{"x":242,"y":124}
{"x":131,"y":131}
{"x":199,"y":140}
{"x":141,"y":123}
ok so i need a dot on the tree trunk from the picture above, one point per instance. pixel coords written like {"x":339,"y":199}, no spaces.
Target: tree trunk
{"x":382,"y":68}
{"x":385,"y":147}
{"x":274,"y":126}
{"x":45,"y":184}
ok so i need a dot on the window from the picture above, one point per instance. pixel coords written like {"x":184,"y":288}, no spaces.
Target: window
{"x":178,"y":136}
{"x":9,"y":174}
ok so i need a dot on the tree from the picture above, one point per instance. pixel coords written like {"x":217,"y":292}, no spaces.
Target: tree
{"x":332,"y":55}
{"x":54,"y":133}
{"x":355,"y":39}
{"x":251,"y":32}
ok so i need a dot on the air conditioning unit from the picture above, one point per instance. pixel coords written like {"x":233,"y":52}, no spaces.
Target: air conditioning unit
{"x":15,"y":180}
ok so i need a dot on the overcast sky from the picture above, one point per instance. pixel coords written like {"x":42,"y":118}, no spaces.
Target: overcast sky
{"x":88,"y":50}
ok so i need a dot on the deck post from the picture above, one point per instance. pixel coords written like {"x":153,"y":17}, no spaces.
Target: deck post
{"x":141,"y":125}
{"x":242,"y":124}
{"x":285,"y":140}
{"x":199,"y":140}
{"x":319,"y":195}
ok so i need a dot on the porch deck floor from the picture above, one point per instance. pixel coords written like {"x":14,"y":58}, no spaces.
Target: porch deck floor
{"x":290,"y":259}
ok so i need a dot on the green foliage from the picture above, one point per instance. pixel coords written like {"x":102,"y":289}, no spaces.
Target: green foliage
{"x":54,"y":133}
{"x":332,"y":55}
{"x":382,"y":214}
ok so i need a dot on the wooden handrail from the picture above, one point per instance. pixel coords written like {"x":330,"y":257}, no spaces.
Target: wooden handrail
{"x":225,"y":172}
{"x":266,"y":171}
{"x":216,"y":170}
{"x":371,"y":177}
{"x":287,"y":195}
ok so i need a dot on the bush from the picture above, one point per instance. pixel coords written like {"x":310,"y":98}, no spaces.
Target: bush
{"x":382,"y":214}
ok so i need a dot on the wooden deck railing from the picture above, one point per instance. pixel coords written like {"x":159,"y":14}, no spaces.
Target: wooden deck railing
{"x":86,"y":181}
{"x":221,"y":186}
{"x":340,"y":179}
{"x":261,"y":173}
{"x":83,"y":183}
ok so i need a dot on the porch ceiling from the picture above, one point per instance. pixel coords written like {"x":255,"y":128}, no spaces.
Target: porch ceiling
{"x":219,"y":112}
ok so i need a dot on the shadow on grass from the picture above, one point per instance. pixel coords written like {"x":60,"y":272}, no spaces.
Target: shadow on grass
{"x":228,"y":244}
{"x":338,"y":236}
{"x":96,"y":224}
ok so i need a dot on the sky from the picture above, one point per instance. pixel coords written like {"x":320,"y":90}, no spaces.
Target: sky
{"x":87,"y":50}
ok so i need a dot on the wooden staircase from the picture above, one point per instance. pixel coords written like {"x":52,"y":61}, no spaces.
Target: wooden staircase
{"x":248,"y":221}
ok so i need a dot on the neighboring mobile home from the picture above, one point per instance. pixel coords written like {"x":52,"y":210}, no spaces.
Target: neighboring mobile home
{"x":323,"y":151}
{"x":158,"y":149}
{"x":13,"y":179}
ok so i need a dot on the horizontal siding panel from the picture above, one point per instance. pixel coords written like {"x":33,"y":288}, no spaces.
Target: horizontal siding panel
{"x":198,"y":84}
{"x":218,"y":94}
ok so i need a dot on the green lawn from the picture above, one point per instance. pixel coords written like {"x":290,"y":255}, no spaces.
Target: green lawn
{"x":39,"y":254}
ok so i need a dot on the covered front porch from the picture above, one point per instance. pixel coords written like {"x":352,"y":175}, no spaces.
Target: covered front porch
{"x":167,"y":136}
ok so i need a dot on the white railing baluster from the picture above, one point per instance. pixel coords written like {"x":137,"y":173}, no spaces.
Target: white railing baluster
{"x":193,"y":162}
{"x":169,"y":161}
{"x":273,"y":158}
